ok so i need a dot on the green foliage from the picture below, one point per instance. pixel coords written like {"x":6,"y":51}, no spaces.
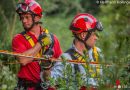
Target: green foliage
{"x":115,"y":40}
{"x":7,"y":78}
{"x":90,"y":6}
{"x":116,"y":33}
{"x":7,"y":8}
{"x":107,"y":81}
{"x":56,"y":6}
{"x":68,"y":7}
{"x":60,"y":27}
{"x":69,"y":81}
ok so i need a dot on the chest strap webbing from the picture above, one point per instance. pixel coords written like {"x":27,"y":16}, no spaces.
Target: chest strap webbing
{"x":30,"y":40}
{"x":76,"y":67}
{"x":94,"y":71}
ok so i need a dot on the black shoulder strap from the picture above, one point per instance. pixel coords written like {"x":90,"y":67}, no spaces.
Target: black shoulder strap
{"x":24,"y":32}
{"x":27,"y":37}
{"x":49,"y":51}
{"x":52,"y":37}
{"x":71,"y":53}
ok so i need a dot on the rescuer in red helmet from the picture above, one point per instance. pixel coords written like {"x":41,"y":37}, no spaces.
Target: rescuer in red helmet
{"x":85,"y":25}
{"x":35,"y":40}
{"x":84,"y":28}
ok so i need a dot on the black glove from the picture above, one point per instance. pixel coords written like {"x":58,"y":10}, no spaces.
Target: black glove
{"x":46,"y":64}
{"x":45,"y":39}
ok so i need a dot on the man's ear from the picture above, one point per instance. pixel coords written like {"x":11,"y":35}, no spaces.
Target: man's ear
{"x":83,"y":35}
{"x":37,"y":18}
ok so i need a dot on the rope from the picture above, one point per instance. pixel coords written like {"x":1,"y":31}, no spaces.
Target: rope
{"x":46,"y":58}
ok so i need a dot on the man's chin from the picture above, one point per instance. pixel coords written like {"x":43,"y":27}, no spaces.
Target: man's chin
{"x":27,"y":28}
{"x":91,"y":46}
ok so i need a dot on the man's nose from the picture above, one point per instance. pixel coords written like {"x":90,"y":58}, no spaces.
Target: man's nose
{"x":24,"y":20}
{"x":96,"y":37}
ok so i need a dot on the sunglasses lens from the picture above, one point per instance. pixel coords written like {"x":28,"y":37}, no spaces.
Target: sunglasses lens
{"x":22,"y":7}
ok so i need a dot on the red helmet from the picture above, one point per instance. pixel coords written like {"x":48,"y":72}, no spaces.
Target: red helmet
{"x":85,"y":22}
{"x":29,"y":6}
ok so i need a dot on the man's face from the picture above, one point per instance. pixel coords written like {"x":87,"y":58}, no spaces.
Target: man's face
{"x":27,"y":20}
{"x":92,"y":39}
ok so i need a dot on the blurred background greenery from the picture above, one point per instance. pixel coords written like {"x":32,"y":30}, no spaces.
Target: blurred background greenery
{"x":114,"y":41}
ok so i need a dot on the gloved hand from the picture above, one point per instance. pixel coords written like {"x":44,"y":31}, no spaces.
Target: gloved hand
{"x":46,"y":64}
{"x":45,"y":39}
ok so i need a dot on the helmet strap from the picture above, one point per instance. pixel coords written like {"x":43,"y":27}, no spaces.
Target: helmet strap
{"x":84,"y":41}
{"x":38,"y":22}
{"x":86,"y":38}
{"x":88,"y":35}
{"x":34,"y":23}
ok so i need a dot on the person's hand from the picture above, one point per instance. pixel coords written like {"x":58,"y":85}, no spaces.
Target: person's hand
{"x":45,"y":39}
{"x":46,"y":64}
